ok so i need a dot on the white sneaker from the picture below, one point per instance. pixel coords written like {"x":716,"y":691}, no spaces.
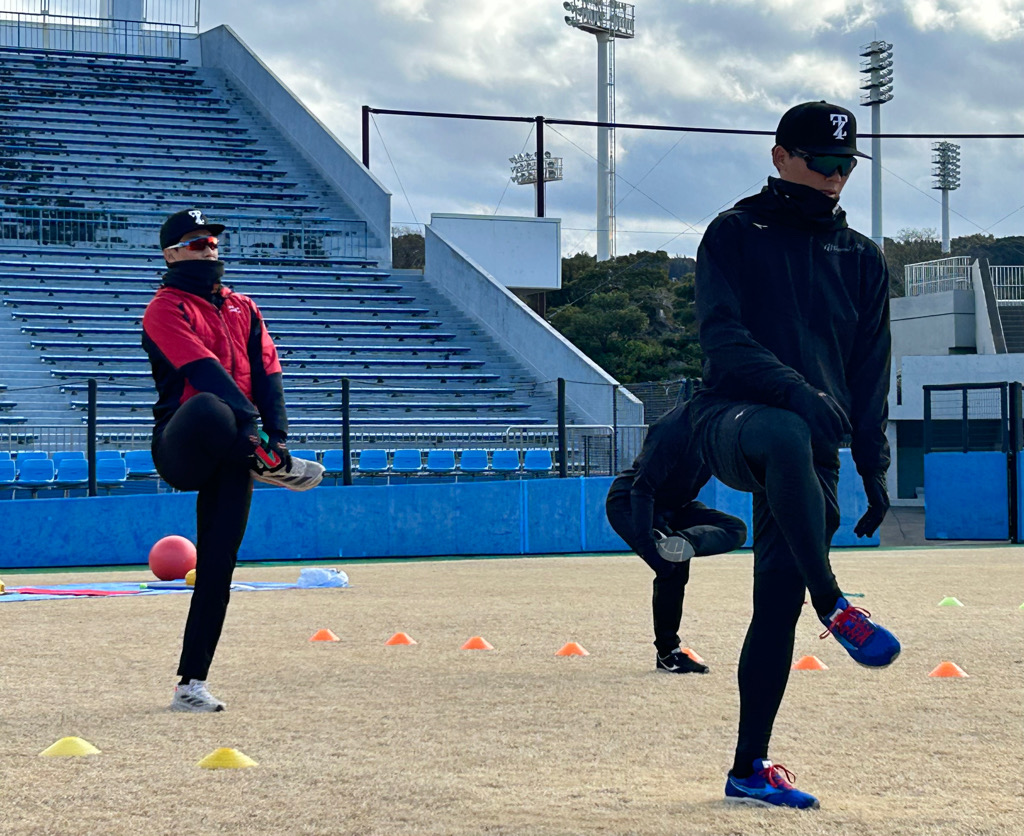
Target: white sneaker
{"x":674,"y":548}
{"x":194,"y":697}
{"x":301,"y":476}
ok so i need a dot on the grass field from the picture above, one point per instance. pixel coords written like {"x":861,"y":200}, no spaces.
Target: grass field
{"x":358,"y":738}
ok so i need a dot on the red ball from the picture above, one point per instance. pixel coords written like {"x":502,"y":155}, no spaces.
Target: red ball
{"x":171,"y":557}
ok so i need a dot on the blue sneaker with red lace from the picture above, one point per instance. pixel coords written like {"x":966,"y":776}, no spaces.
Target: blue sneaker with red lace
{"x":769,"y":786}
{"x":868,"y":643}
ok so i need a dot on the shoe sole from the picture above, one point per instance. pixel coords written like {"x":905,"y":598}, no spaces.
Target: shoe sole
{"x":188,"y":709}
{"x":876,"y":667}
{"x":757,"y":802}
{"x":683,"y":670}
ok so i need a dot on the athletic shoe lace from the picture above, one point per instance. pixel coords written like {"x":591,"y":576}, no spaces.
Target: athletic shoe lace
{"x":775,"y":779}
{"x":852,"y":624}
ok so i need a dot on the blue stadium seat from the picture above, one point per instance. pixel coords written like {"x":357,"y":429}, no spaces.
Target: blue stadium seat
{"x":537,"y":461}
{"x":372,"y":462}
{"x":473,"y":462}
{"x":111,"y":473}
{"x":440,"y":461}
{"x":108,"y":454}
{"x":407,"y":462}
{"x":61,"y":455}
{"x":72,"y":472}
{"x":139,"y":464}
{"x":35,"y":473}
{"x":308,"y":455}
{"x":7,"y":473}
{"x":27,"y":456}
{"x":5,"y":454}
{"x":505,"y":461}
{"x":334,"y":463}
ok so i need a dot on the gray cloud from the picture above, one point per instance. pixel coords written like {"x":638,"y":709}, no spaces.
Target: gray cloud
{"x":729,"y":63}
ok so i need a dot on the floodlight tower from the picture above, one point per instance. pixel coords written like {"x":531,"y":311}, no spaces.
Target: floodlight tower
{"x":524,"y":169}
{"x":608,"y":20}
{"x":946,"y":160}
{"x":878,"y":90}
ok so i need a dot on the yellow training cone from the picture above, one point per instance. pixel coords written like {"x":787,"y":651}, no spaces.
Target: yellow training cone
{"x":226,"y":759}
{"x":69,"y":747}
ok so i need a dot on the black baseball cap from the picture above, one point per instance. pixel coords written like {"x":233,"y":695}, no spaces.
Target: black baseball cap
{"x":819,"y":128}
{"x":182,"y":223}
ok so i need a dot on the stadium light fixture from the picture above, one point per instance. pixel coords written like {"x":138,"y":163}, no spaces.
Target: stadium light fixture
{"x":524,"y":168}
{"x":946,"y":171}
{"x":877,"y":87}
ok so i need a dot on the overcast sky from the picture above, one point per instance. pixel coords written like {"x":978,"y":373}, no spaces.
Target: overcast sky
{"x":714,"y":63}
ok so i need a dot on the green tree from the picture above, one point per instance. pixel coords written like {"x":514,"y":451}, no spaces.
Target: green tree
{"x":633,"y":315}
{"x":910,"y":246}
{"x":407,"y":249}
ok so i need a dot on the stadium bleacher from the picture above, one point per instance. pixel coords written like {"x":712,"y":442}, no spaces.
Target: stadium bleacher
{"x":99,"y":149}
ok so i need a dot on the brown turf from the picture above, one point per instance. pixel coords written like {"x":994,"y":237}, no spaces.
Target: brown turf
{"x":356,"y":737}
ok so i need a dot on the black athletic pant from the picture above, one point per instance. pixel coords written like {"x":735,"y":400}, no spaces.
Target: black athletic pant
{"x":709,"y":532}
{"x":198,"y":450}
{"x":768,"y":452}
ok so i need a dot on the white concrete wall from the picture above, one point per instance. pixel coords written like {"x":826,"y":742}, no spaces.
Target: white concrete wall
{"x":520,"y":252}
{"x":223,"y":49}
{"x":970,"y":368}
{"x":528,"y":338}
{"x":932,"y":323}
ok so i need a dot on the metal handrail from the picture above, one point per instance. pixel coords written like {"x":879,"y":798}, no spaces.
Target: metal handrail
{"x":938,"y":276}
{"x":89,"y":35}
{"x":246,"y":235}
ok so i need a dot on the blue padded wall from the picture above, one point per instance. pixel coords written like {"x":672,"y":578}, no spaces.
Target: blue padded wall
{"x":510,"y":517}
{"x":966,"y":496}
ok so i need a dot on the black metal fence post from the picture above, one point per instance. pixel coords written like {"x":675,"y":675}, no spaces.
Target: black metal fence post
{"x":615,"y":430}
{"x":1013,"y":445}
{"x":346,"y":432}
{"x":563,"y":453}
{"x":366,"y":136}
{"x":90,"y":441}
{"x":540,"y":166}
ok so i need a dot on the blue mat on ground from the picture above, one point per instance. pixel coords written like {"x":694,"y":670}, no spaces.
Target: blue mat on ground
{"x":121,"y":589}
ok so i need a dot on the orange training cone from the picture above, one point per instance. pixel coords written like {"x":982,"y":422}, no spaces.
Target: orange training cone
{"x":477,"y":643}
{"x":572,"y":649}
{"x":809,"y":663}
{"x":693,"y":654}
{"x":324,"y":635}
{"x":400,"y":638}
{"x":948,"y":669}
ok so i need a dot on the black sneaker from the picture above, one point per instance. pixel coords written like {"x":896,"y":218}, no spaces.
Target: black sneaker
{"x":679,"y":662}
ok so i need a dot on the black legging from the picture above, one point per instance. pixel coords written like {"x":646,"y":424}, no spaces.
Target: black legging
{"x":796,"y":512}
{"x":198,"y":450}
{"x":709,"y":532}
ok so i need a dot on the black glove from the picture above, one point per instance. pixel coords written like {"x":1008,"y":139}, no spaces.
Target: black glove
{"x":878,"y":504}
{"x":823,"y":415}
{"x":275,"y":443}
{"x":272,"y":454}
{"x":247,"y":440}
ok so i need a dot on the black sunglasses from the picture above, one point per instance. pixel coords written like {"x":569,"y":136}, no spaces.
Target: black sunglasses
{"x":197,"y":244}
{"x":826,"y":164}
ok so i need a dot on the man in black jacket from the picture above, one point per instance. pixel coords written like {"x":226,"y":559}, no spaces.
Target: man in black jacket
{"x":793,"y":311}
{"x":653,"y":506}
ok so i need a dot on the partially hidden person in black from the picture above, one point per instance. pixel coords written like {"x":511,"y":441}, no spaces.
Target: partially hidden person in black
{"x":217,"y":376}
{"x":793,"y":314}
{"x":653,"y":506}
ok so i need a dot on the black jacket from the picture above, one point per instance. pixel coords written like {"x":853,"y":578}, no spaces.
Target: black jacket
{"x":788,"y":295}
{"x":668,"y":474}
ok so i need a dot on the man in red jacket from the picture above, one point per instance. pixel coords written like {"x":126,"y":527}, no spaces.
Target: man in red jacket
{"x":217,"y":376}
